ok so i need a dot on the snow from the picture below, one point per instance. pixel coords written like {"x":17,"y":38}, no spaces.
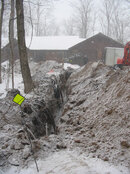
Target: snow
{"x":18,"y":81}
{"x":5,"y":41}
{"x":49,"y":42}
{"x":5,"y":64}
{"x":52,"y":42}
{"x":66,"y":65}
{"x":50,"y":73}
{"x":18,"y":85}
{"x":70,"y":162}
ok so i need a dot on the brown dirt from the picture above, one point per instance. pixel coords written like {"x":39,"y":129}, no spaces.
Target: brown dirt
{"x":96,"y":117}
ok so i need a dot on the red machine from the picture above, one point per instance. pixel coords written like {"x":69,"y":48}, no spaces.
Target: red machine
{"x":126,"y":59}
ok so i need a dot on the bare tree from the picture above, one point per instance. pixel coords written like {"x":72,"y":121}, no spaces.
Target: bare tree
{"x":41,"y":19}
{"x":115,"y":19}
{"x":1,"y":22}
{"x":118,"y":28}
{"x":53,"y":28}
{"x":83,"y":11}
{"x":70,"y":26}
{"x":31,"y":22}
{"x":42,"y":27}
{"x":121,"y":24}
{"x":6,"y":15}
{"x":39,"y":15}
{"x":28,"y":83}
{"x":107,"y":11}
{"x":11,"y":40}
{"x":94,"y":22}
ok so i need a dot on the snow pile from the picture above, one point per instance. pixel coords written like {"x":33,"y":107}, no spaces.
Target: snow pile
{"x":96,"y":115}
{"x":68,"y":65}
{"x":70,"y":162}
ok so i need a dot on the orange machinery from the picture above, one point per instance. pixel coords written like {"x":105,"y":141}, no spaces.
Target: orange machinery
{"x":126,"y":59}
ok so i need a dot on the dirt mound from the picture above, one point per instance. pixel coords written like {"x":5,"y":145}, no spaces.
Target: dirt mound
{"x":34,"y":119}
{"x":93,"y":116}
{"x":96,"y":115}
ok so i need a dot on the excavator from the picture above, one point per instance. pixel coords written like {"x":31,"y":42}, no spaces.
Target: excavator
{"x":125,"y":61}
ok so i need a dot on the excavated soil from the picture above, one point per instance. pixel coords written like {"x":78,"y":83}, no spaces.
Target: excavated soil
{"x":24,"y":130}
{"x":92,"y":116}
{"x":96,"y":117}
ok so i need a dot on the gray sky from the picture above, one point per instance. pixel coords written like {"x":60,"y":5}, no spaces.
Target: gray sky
{"x":63,"y":9}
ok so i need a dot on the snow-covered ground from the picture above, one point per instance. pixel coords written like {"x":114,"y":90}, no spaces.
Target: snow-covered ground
{"x":5,"y":86}
{"x":61,"y":162}
{"x":18,"y":81}
{"x":70,"y":162}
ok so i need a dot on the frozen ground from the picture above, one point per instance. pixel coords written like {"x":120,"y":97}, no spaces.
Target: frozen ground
{"x":70,"y":162}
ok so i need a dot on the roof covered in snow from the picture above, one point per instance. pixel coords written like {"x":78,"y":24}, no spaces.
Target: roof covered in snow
{"x":52,"y":42}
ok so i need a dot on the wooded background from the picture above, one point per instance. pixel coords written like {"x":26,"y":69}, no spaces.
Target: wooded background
{"x":111,"y":17}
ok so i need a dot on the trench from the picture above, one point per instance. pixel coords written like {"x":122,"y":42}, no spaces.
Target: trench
{"x":41,"y":116}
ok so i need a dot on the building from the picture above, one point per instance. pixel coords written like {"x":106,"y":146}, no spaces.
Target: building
{"x":65,"y":48}
{"x":92,"y":49}
{"x":5,"y":51}
{"x":51,"y":47}
{"x":43,"y":48}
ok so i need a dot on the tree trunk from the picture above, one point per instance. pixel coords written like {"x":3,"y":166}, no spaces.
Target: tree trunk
{"x":1,"y":21}
{"x":11,"y":40}
{"x":28,"y":83}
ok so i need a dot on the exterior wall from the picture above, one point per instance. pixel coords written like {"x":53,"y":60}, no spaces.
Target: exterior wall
{"x":42,"y":55}
{"x":37,"y":55}
{"x":92,"y":49}
{"x":77,"y":59}
{"x":6,"y":53}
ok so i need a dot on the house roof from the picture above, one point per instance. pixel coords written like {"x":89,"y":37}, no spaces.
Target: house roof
{"x":99,"y":35}
{"x":52,"y":42}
